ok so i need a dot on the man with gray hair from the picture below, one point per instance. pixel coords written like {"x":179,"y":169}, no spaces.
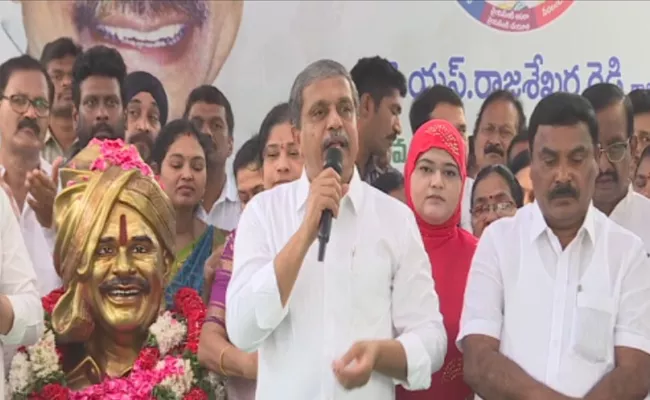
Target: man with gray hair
{"x":365,"y":318}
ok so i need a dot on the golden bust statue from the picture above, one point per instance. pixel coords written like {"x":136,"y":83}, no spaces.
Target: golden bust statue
{"x":114,"y":249}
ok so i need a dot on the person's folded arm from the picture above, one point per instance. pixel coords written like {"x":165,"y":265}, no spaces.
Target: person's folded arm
{"x":489,"y":373}
{"x":421,"y":343}
{"x":21,"y":312}
{"x":630,"y":378}
{"x":262,"y":281}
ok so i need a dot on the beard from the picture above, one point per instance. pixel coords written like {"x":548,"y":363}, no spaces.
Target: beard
{"x":143,"y":141}
{"x":101,"y":130}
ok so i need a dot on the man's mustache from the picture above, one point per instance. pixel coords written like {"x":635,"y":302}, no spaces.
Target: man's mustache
{"x":134,"y":281}
{"x":28,"y":123}
{"x":493,"y":148}
{"x":563,"y":190}
{"x":104,"y":129}
{"x":88,"y":13}
{"x":339,"y":137}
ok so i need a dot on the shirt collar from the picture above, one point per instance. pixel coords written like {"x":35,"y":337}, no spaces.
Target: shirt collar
{"x":355,"y":191}
{"x":538,"y":224}
{"x":229,"y":192}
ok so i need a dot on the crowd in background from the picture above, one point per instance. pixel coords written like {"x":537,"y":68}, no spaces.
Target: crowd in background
{"x":460,"y":177}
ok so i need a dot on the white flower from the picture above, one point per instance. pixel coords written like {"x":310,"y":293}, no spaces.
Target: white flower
{"x":168,"y":332}
{"x":45,"y":360}
{"x":20,"y":374}
{"x":180,"y":383}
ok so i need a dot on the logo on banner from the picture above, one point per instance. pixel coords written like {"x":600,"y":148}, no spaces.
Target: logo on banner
{"x":515,"y":15}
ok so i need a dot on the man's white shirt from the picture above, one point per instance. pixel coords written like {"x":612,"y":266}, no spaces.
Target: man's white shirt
{"x":18,"y":283}
{"x":633,"y":214}
{"x":225,"y":212}
{"x":559,"y":314}
{"x":375,"y":283}
{"x":39,"y":242}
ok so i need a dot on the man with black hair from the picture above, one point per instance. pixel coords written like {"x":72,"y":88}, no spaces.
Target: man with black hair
{"x":381,"y":89}
{"x":58,"y":58}
{"x":438,"y":102}
{"x":500,"y":118}
{"x":640,"y":99}
{"x":518,"y":145}
{"x":210,"y":111}
{"x":441,"y":102}
{"x":26,"y":95}
{"x":617,"y":144}
{"x":98,"y":95}
{"x":247,"y":168}
{"x":558,"y":296}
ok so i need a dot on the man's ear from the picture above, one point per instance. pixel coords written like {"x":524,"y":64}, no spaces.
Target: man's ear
{"x":366,"y":106}
{"x":230,"y":145}
{"x":75,"y":117}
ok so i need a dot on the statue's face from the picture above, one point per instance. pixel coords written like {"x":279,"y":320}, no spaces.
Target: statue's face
{"x":125,"y":290}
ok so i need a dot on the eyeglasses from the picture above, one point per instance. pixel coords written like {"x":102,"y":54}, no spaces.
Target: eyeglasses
{"x":501,"y":209}
{"x":20,"y":104}
{"x":615,"y":152}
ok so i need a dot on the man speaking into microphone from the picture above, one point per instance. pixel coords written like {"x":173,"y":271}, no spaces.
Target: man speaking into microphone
{"x":366,"y":317}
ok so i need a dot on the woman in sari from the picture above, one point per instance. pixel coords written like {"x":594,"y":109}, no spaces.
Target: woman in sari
{"x":277,"y":150}
{"x":435,"y":174}
{"x":179,"y":157}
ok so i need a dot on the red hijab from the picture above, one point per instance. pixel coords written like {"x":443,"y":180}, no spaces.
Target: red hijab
{"x":450,"y":249}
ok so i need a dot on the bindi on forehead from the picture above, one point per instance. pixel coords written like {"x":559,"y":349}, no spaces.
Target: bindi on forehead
{"x":124,"y":235}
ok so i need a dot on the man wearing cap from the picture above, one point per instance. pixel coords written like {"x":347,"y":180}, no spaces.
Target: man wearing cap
{"x":146,"y":110}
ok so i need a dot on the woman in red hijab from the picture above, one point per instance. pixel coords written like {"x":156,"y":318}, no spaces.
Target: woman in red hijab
{"x":435,"y":173}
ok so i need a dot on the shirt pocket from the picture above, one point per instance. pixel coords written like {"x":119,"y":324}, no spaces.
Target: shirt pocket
{"x":593,"y":327}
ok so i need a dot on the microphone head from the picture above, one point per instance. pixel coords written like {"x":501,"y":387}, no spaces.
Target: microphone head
{"x":334,"y":159}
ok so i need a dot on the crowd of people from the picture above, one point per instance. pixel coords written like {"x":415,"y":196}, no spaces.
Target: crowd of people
{"x":505,"y":263}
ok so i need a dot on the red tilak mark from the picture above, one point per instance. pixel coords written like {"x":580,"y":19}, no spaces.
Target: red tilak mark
{"x":123,"y":235}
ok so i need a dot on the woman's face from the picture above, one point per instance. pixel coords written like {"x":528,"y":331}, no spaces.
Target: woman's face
{"x":492,"y":200}
{"x":436,"y":185}
{"x":282,"y":159}
{"x":640,"y":181}
{"x":523,"y":177}
{"x":183,"y":172}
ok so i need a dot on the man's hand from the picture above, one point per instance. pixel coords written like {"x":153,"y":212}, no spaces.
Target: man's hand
{"x":353,"y":370}
{"x":43,"y":189}
{"x":325,"y":193}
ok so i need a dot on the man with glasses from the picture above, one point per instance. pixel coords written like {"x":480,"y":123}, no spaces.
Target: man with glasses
{"x":26,"y":94}
{"x":617,"y":143}
{"x":210,"y":111}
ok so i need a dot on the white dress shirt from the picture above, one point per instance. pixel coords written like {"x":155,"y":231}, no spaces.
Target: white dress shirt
{"x":559,"y":313}
{"x":375,"y":283}
{"x":633,"y":214}
{"x":18,"y":283}
{"x":465,"y":206}
{"x":225,"y":212}
{"x":40,"y":243}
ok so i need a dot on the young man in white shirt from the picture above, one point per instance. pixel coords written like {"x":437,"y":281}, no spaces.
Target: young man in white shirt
{"x":21,"y":313}
{"x":368,"y":316}
{"x":613,"y":195}
{"x":557,"y":302}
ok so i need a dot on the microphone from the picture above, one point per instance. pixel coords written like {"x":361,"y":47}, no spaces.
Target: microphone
{"x":334,"y":160}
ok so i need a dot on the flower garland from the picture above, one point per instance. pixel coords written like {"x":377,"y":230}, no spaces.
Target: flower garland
{"x":167,"y":367}
{"x":114,"y":152}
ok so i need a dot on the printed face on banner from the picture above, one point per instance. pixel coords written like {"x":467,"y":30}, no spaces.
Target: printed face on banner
{"x":182,"y":43}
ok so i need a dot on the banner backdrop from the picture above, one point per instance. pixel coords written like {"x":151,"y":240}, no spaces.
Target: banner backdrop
{"x":253,"y":50}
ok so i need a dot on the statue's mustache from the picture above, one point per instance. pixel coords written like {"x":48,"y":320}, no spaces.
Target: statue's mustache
{"x":131,"y":282}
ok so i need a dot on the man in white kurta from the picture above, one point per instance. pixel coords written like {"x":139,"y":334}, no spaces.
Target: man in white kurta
{"x":21,"y":313}
{"x":365,"y":318}
{"x":557,"y":301}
